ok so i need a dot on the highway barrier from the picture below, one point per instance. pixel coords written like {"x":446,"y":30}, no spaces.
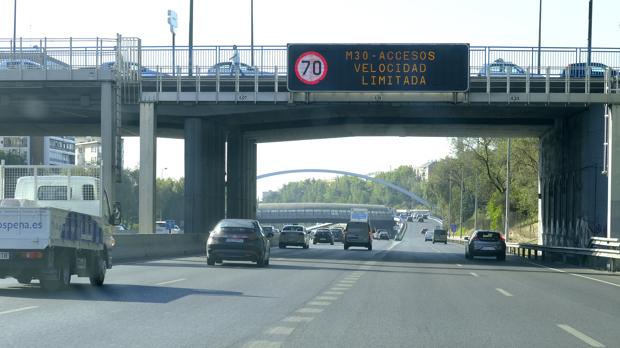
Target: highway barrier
{"x":133,"y":246}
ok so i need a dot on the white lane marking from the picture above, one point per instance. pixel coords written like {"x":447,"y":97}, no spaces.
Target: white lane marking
{"x":574,"y":274}
{"x":318,"y":303}
{"x":474,"y":274}
{"x":347,"y":281}
{"x":393,"y":245}
{"x":296,"y":319}
{"x":280,"y":330}
{"x":333,"y":292}
{"x":263,"y":344}
{"x":459,"y":265}
{"x":504,"y":292}
{"x":580,"y":335}
{"x":18,"y":310}
{"x":326,"y":298}
{"x":171,"y":281}
{"x":310,"y":310}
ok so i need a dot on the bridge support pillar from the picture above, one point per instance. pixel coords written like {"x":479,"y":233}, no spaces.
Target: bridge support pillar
{"x":148,"y":155}
{"x":613,"y":175}
{"x":241,"y":177}
{"x":204,"y":175}
{"x":108,"y":148}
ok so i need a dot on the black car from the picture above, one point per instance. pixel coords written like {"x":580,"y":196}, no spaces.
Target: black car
{"x":485,"y":243}
{"x":580,"y":70}
{"x":238,"y":240}
{"x":337,"y":233}
{"x":323,"y":235}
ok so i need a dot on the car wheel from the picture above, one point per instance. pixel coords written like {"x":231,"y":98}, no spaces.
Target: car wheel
{"x":314,"y":242}
{"x":210,"y":260}
{"x":445,"y":242}
{"x":281,"y":246}
{"x":346,"y":246}
{"x":501,"y":257}
{"x":24,"y":279}
{"x":331,"y":243}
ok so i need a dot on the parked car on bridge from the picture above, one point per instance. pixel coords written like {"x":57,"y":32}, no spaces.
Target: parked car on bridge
{"x":226,"y":69}
{"x":295,"y":235}
{"x":9,"y":64}
{"x":579,"y":70}
{"x":485,"y":243}
{"x":133,"y":69}
{"x":238,"y":240}
{"x":323,"y":235}
{"x":501,"y":68}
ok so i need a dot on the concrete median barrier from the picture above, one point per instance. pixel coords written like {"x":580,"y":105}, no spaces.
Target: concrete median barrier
{"x":144,"y":246}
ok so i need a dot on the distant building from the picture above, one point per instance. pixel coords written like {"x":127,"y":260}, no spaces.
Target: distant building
{"x":19,"y":146}
{"x":424,"y":171}
{"x":51,"y":150}
{"x":88,"y":151}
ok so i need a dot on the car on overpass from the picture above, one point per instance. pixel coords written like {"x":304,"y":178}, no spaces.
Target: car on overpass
{"x":485,"y":243}
{"x":226,"y":69}
{"x":238,"y":240}
{"x":26,"y":64}
{"x":501,"y":68}
{"x":133,"y":68}
{"x":323,"y":235}
{"x":580,"y":69}
{"x":295,"y":235}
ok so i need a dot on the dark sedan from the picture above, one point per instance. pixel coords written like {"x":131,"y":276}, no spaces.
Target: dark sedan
{"x":323,"y":235}
{"x":485,"y":243}
{"x":337,"y":233}
{"x":579,"y":70}
{"x":238,"y":240}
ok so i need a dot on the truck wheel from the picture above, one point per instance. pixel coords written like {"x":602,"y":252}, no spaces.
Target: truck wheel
{"x":97,"y":276}
{"x":63,"y":276}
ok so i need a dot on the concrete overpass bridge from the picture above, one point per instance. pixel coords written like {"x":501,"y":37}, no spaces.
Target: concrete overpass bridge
{"x":576,"y":118}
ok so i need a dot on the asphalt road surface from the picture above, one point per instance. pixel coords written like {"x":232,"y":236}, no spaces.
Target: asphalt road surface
{"x":400,"y":294}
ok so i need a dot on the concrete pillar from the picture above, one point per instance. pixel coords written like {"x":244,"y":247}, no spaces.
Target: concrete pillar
{"x":613,"y":175}
{"x":148,"y":155}
{"x":108,"y":134}
{"x":204,"y":175}
{"x":241,"y":177}
{"x":214,"y":177}
{"x":234,"y":185}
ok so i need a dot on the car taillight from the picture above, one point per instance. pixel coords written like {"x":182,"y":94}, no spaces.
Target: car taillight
{"x":32,"y":255}
{"x":475,"y":238}
{"x":501,"y":237}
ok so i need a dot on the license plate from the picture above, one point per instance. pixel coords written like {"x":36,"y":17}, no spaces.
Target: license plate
{"x":4,"y":255}
{"x":488,"y":248}
{"x":234,"y":240}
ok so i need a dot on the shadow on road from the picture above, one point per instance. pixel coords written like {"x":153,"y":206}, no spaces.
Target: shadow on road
{"x":115,"y":293}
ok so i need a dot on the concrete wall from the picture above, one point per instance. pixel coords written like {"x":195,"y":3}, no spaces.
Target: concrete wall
{"x":573,"y":191}
{"x":140,"y":246}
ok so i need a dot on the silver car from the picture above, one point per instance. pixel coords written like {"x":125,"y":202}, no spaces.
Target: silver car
{"x":485,"y":243}
{"x":295,"y":235}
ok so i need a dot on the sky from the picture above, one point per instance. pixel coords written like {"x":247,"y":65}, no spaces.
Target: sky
{"x":278,"y":22}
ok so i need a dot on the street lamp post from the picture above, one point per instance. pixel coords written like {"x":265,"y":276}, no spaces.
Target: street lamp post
{"x":539,"y":31}
{"x":252,"y":31}
{"x":172,"y":21}
{"x":589,"y":34}
{"x":191,"y":36}
{"x":506,"y":222}
{"x":14,"y":25}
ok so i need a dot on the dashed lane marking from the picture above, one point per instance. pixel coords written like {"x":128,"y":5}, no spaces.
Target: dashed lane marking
{"x":459,"y":265}
{"x":326,"y":298}
{"x":280,"y":330}
{"x":580,"y":335}
{"x":504,"y":292}
{"x":171,"y":281}
{"x":263,"y":344}
{"x":333,"y":292}
{"x":474,"y":274}
{"x":574,"y":274}
{"x":318,"y":303}
{"x":310,"y":310}
{"x":297,"y":319}
{"x":18,"y":310}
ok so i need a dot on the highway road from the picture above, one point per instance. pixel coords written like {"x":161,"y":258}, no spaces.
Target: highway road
{"x":400,"y":294}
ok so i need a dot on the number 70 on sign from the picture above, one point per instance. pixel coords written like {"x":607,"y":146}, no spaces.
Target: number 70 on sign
{"x":311,"y":68}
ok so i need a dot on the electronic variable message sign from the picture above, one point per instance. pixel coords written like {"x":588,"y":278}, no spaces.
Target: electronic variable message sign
{"x":378,"y":67}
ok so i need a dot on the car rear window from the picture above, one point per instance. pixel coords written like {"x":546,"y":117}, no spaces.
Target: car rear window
{"x":230,"y":231}
{"x":488,"y":236}
{"x":358,"y":227}
{"x":293,"y":229}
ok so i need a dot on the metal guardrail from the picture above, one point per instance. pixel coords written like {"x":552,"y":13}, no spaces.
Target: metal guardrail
{"x":602,"y":248}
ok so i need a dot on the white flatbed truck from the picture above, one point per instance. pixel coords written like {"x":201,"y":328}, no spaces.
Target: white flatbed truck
{"x":53,"y":228}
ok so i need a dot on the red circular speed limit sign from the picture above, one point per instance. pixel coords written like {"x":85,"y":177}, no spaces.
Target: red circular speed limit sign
{"x":311,"y":68}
